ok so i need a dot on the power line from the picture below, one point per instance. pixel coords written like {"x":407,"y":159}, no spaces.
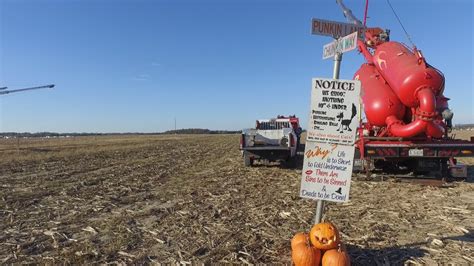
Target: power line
{"x":399,"y":21}
{"x":365,"y":12}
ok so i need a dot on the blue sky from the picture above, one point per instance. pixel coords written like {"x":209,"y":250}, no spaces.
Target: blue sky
{"x":135,"y":66}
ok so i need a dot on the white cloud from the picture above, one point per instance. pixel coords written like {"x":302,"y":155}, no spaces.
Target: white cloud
{"x":142,"y":77}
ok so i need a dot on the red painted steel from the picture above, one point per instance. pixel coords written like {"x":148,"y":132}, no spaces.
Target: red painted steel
{"x":398,"y":81}
{"x":406,"y":72}
{"x":378,"y":98}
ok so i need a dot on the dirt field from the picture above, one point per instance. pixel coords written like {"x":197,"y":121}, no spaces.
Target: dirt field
{"x":190,"y":199}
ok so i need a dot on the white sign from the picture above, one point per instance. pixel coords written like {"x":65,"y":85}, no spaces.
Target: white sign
{"x":342,"y":45}
{"x":327,"y":171}
{"x":334,"y":110}
{"x":334,"y":28}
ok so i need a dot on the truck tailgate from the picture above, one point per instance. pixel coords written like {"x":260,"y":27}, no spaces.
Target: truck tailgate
{"x":268,"y":148}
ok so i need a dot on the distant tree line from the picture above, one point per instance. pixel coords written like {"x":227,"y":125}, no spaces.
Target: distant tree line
{"x":179,"y":131}
{"x":200,"y":131}
{"x":56,"y":135}
{"x":45,"y":134}
{"x":463,"y":126}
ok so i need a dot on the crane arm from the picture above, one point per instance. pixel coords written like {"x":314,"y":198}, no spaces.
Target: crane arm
{"x":348,"y":14}
{"x":3,"y":91}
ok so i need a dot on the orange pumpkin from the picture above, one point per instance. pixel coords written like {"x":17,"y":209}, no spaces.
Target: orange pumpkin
{"x":324,"y":236}
{"x":303,"y":254}
{"x":336,"y":257}
{"x":299,"y":238}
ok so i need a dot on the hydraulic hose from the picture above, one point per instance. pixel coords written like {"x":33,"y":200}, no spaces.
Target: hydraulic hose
{"x":397,"y":128}
{"x":424,"y":118}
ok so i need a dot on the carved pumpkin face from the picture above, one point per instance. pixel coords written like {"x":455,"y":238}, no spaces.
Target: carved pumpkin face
{"x":324,"y":236}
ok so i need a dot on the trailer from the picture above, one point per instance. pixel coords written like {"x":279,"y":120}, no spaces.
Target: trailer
{"x":418,"y":156}
{"x":407,"y":117}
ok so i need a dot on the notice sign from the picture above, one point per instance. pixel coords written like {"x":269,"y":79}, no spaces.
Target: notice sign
{"x":327,"y":171}
{"x":334,"y":110}
{"x":342,"y":45}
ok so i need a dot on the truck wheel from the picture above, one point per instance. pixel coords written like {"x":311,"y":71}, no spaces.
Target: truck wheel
{"x":290,"y":163}
{"x":247,"y":160}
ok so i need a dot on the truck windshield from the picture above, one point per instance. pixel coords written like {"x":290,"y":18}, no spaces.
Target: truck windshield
{"x":272,"y":125}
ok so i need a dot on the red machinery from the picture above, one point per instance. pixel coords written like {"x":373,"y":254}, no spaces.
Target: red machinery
{"x":404,"y":93}
{"x":407,"y":114}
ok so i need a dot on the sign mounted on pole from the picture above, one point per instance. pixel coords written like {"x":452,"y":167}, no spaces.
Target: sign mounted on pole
{"x":333,"y":28}
{"x":327,"y":171}
{"x":334,"y":105}
{"x":342,"y":45}
{"x":333,"y":112}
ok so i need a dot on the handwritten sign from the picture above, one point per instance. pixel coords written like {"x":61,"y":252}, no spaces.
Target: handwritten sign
{"x":342,"y":45}
{"x":327,"y":171}
{"x":333,"y":112}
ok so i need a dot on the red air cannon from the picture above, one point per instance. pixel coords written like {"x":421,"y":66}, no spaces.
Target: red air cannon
{"x":401,"y":92}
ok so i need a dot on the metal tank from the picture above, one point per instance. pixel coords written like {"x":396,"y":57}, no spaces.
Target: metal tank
{"x":406,"y":72}
{"x":416,"y":85}
{"x":378,"y":98}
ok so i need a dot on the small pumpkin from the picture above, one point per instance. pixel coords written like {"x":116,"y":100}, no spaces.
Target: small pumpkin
{"x":324,"y":236}
{"x":336,"y":257}
{"x":299,"y":238}
{"x":303,"y":254}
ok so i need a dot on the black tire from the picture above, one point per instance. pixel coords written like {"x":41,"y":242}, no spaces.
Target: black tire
{"x":290,"y":163}
{"x":248,"y":162}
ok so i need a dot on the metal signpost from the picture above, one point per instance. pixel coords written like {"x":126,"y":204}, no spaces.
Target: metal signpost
{"x":349,"y":33}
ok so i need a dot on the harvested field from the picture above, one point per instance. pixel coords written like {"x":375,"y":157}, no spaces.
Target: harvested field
{"x":189,"y":199}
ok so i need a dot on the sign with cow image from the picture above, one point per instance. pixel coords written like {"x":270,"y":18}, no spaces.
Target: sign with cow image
{"x":334,"y":111}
